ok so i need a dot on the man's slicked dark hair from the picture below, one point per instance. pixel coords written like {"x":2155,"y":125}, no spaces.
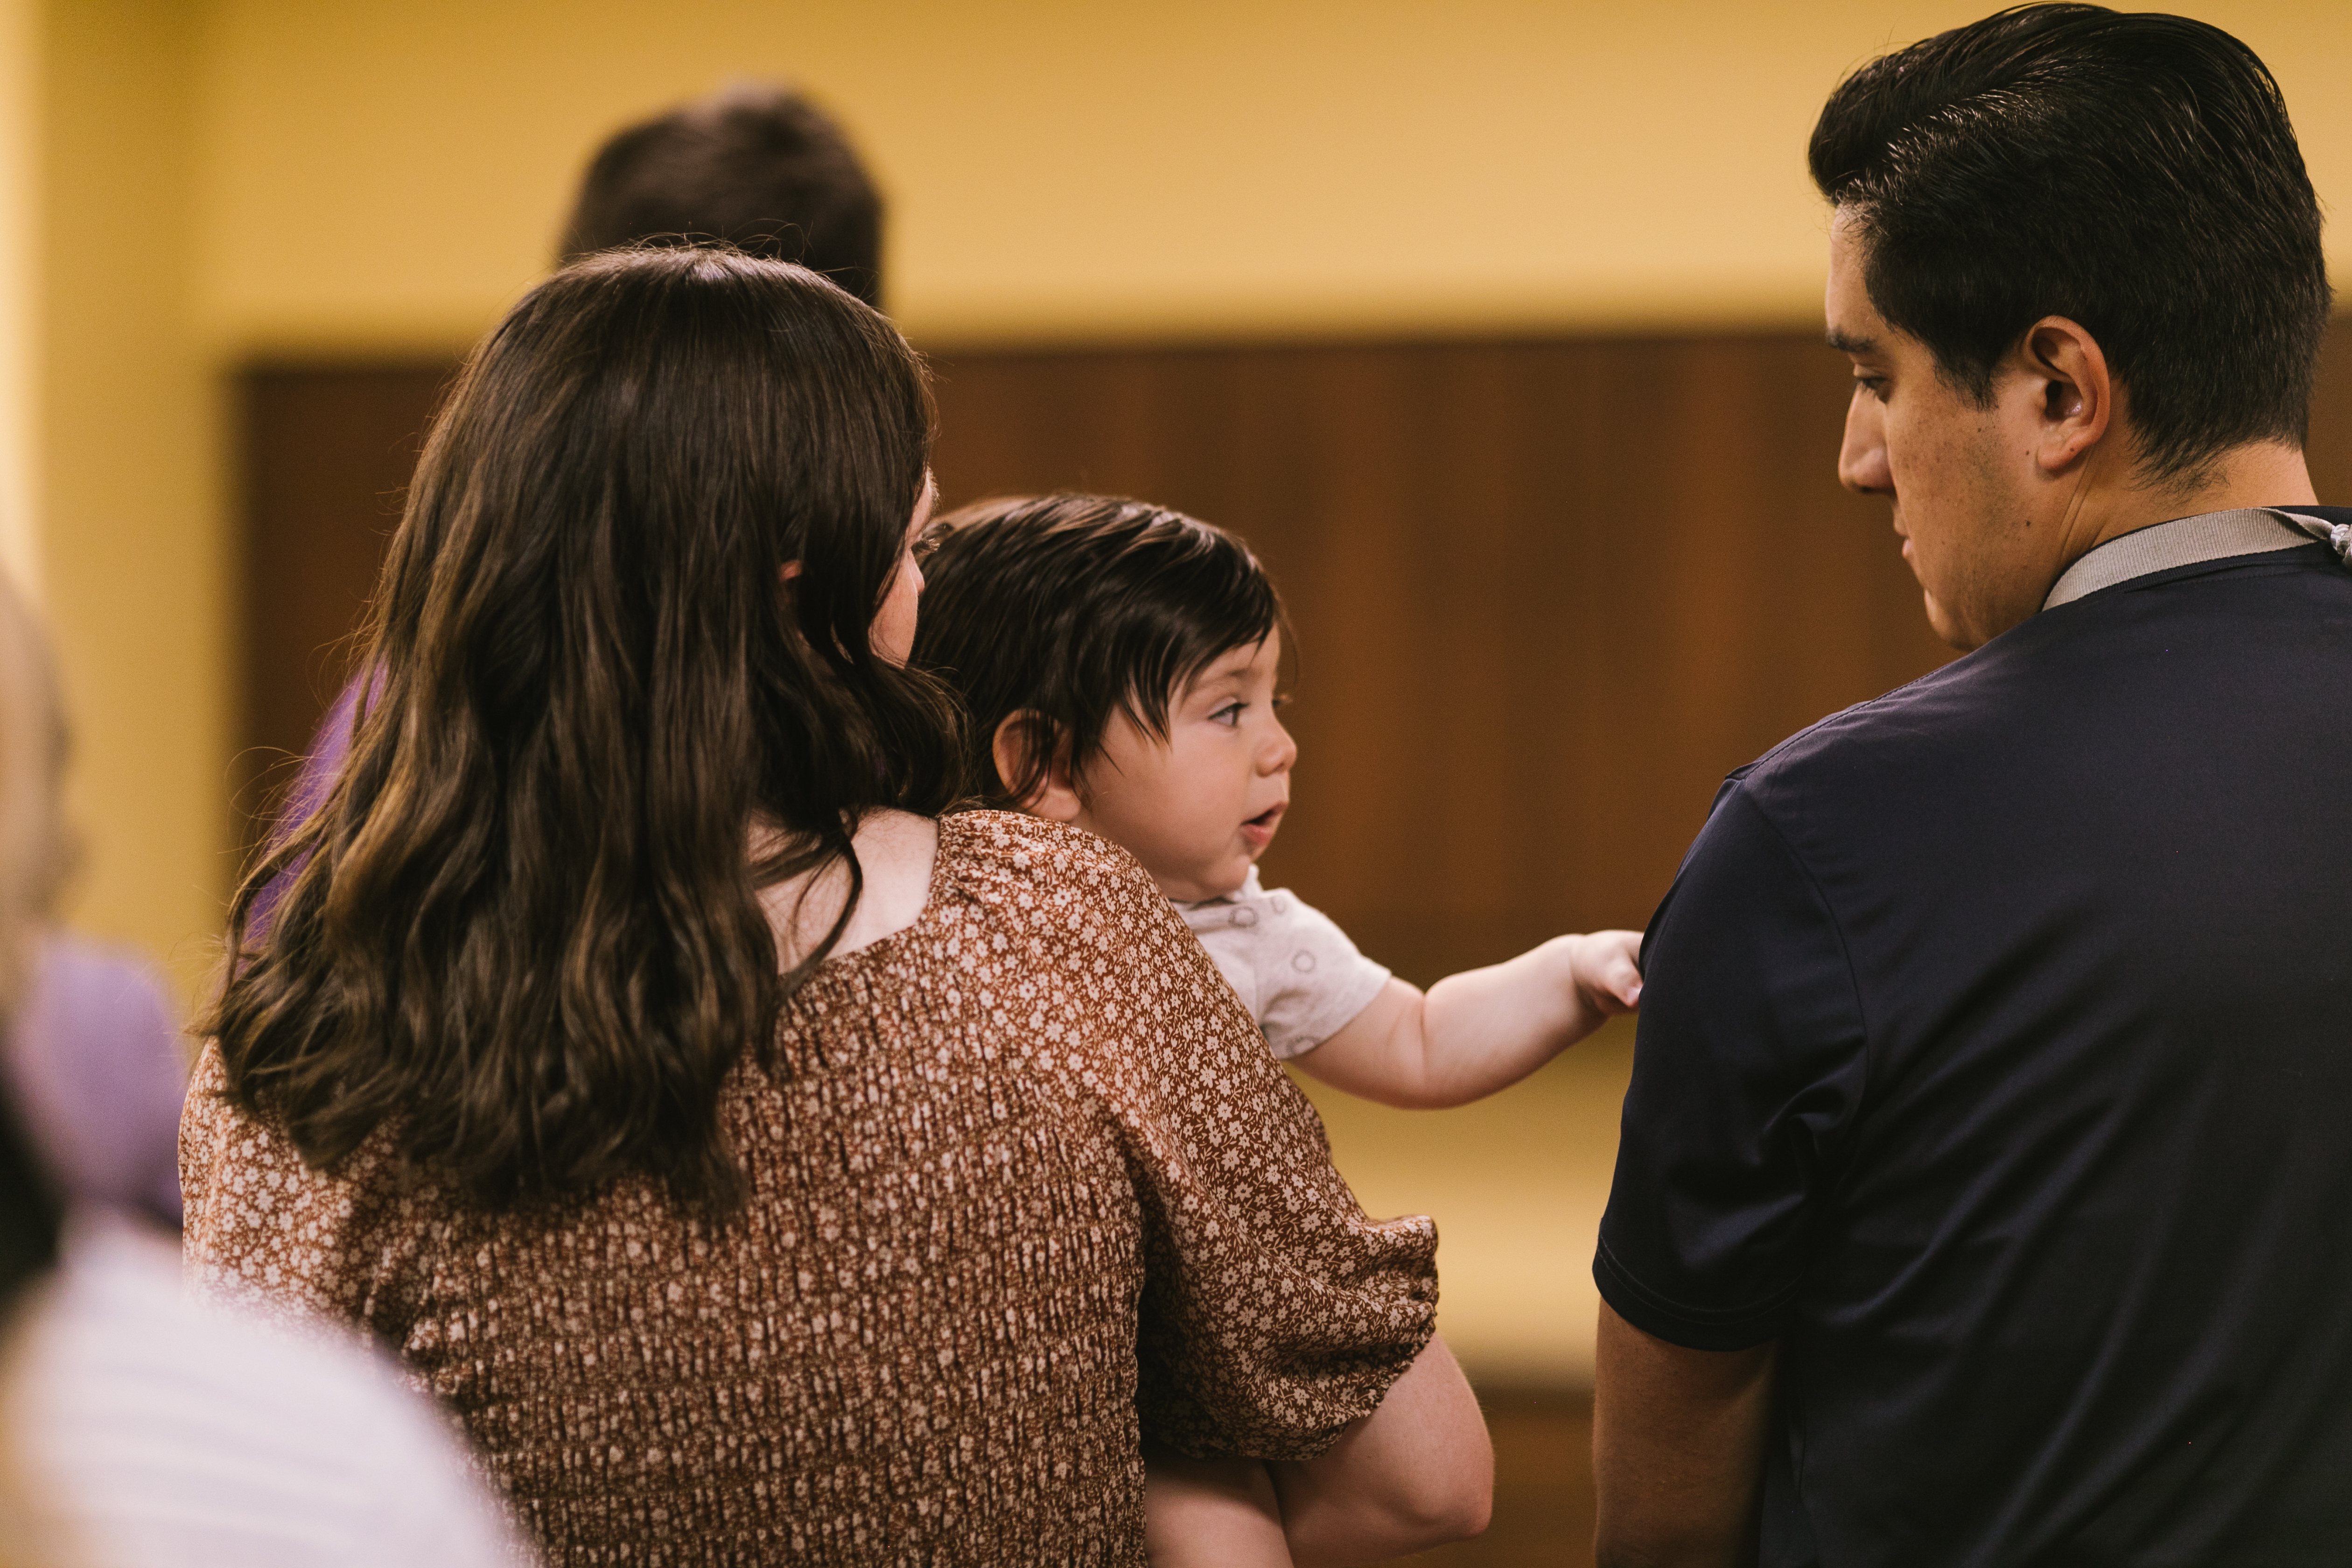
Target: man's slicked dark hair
{"x":1076,"y":608}
{"x":756,"y":165}
{"x":2134,"y":173}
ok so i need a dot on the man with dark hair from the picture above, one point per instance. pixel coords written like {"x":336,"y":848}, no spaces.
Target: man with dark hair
{"x":756,"y":165}
{"x":1984,"y":1161}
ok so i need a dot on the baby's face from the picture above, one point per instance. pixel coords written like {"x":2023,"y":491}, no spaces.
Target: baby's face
{"x":1200,"y":806}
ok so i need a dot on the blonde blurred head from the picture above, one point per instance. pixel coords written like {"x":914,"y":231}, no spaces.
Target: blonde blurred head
{"x":34,"y":854}
{"x":35,"y":850}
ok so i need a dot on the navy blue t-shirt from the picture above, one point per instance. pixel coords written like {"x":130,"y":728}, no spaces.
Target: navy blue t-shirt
{"x":1996,"y":1058}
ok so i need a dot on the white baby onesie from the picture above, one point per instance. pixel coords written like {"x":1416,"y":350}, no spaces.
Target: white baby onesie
{"x":1296,"y":971}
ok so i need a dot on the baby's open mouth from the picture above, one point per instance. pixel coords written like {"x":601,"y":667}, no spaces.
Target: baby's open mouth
{"x":1258,"y":831}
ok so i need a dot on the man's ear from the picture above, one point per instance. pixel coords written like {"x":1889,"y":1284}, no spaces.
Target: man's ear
{"x":1019,"y":740}
{"x":2068,"y":371}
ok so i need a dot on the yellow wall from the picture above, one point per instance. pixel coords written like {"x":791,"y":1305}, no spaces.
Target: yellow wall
{"x":20,"y":75}
{"x":133,"y":546}
{"x":396,"y":172}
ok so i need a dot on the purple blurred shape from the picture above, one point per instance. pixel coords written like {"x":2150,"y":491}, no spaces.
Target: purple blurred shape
{"x":95,"y":1068}
{"x":329,"y":747}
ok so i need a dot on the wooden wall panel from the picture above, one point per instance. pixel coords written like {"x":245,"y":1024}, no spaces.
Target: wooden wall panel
{"x":327,"y":454}
{"x":2330,"y":445}
{"x":1547,"y":593}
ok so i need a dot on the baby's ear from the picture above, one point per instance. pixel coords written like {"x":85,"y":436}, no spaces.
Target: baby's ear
{"x":1032,"y":765}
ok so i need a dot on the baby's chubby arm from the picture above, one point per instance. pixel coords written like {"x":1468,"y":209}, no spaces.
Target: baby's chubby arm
{"x":1484,"y":1030}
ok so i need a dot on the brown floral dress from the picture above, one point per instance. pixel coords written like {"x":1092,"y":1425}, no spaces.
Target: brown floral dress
{"x":1026,"y":1177}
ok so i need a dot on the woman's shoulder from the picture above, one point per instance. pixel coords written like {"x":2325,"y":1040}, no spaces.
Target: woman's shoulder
{"x":1027,"y":870}
{"x":1011,"y":850}
{"x":268,"y":1233}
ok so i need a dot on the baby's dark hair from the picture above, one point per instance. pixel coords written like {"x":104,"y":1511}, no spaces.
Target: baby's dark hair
{"x":1075,"y":608}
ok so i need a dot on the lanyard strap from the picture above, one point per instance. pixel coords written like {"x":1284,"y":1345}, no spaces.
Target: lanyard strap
{"x":2187,"y":540}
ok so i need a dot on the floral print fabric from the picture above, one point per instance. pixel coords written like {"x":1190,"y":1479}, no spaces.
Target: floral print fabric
{"x":1026,"y":1186}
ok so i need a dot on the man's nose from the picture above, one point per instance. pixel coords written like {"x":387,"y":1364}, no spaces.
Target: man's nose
{"x":1862,"y":461}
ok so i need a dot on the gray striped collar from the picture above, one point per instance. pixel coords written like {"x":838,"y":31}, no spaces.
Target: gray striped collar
{"x":2184,"y":541}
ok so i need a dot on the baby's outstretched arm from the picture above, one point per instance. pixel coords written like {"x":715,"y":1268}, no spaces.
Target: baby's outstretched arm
{"x":1483,"y":1029}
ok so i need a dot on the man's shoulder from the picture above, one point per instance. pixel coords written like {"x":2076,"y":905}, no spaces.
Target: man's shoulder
{"x":1941,"y":712}
{"x":2103,"y":662}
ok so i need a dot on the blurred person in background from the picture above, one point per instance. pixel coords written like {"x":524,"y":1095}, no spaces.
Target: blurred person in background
{"x":755,"y":165}
{"x":1984,"y":1162}
{"x":91,"y":1057}
{"x":762,"y":1164}
{"x":95,"y":1066}
{"x":137,"y":1430}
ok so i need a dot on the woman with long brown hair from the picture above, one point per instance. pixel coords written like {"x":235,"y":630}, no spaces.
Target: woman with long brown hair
{"x":762,"y":1166}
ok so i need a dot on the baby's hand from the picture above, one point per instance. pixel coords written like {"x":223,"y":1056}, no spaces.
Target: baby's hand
{"x":1608,"y":970}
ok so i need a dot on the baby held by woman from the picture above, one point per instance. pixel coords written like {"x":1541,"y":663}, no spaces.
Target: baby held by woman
{"x":1120,"y":665}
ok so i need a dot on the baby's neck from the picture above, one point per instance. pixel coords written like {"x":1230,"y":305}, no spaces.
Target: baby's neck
{"x":1181,"y":892}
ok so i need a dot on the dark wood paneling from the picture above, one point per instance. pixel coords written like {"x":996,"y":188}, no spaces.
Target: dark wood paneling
{"x":327,"y":454}
{"x":2329,"y":446}
{"x":1546,"y":592}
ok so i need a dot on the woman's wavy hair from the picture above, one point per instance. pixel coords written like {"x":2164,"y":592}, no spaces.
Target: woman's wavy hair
{"x":525,"y":938}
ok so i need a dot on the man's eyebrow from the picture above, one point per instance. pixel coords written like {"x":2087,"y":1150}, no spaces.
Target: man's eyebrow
{"x":1846,"y":344}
